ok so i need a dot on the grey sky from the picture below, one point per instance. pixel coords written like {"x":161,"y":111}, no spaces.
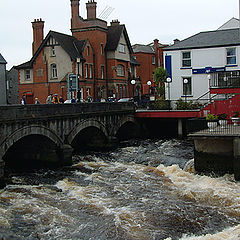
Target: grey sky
{"x":145,"y":20}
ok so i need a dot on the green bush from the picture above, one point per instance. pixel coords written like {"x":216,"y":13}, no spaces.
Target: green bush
{"x":161,"y":105}
{"x":187,"y":105}
{"x":211,"y":117}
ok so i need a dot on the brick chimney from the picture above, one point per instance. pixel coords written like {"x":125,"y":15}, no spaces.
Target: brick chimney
{"x":38,"y":34}
{"x":91,"y":9}
{"x":115,"y":22}
{"x":156,"y":50}
{"x":75,"y":8}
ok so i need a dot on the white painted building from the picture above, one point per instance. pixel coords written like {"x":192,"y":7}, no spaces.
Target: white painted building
{"x":213,"y":55}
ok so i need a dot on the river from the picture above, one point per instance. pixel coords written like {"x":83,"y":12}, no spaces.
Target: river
{"x":136,"y":192}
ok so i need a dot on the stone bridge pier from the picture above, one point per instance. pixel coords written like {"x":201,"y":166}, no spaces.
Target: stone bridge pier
{"x":47,"y":135}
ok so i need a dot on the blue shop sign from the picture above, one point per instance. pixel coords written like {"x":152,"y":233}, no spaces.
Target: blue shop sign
{"x":208,"y":70}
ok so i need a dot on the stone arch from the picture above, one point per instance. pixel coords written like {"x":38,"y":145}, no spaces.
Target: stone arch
{"x":121,"y":122}
{"x":85,"y":124}
{"x":27,"y":131}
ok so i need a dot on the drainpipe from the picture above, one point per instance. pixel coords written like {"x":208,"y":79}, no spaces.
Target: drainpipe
{"x":107,"y":74}
{"x":94,"y":77}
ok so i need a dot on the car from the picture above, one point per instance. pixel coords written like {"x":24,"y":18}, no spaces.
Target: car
{"x":125,"y":100}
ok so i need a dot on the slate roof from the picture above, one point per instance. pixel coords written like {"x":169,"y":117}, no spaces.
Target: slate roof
{"x":2,"y":60}
{"x":70,"y":44}
{"x":142,"y":48}
{"x":113,"y":37}
{"x":218,"y":38}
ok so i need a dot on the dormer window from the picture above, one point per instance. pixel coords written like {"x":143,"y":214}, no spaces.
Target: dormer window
{"x":53,"y":52}
{"x":27,"y":74}
{"x":122,"y":48}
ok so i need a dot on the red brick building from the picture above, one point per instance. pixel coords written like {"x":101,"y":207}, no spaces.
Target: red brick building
{"x":96,"y":60}
{"x":149,"y":58}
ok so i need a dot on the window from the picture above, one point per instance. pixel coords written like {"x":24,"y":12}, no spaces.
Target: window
{"x":90,"y":71}
{"x":120,"y":71}
{"x":53,"y":52}
{"x":231,"y":56}
{"x":86,"y":71}
{"x":102,"y":50}
{"x":121,"y":48}
{"x":186,"y":59}
{"x":187,"y":86}
{"x":88,"y":50}
{"x":54,"y":70}
{"x":102,"y":72}
{"x":153,"y":60}
{"x":27,"y":74}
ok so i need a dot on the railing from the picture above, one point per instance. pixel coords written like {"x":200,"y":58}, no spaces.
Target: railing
{"x":229,"y":79}
{"x":221,"y":128}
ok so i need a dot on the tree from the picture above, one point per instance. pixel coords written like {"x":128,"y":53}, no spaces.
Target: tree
{"x":160,"y":75}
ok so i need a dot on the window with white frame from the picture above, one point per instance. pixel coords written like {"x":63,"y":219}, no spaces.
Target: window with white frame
{"x":27,"y":74}
{"x":54,"y":70}
{"x":187,"y":86}
{"x":102,"y":72}
{"x":86,"y":71}
{"x":186,"y":59}
{"x":120,"y":70}
{"x":88,"y":50}
{"x":121,"y":48}
{"x":231,"y":56}
{"x":53,"y":51}
{"x":102,"y":49}
{"x":153,"y":60}
{"x":90,"y":71}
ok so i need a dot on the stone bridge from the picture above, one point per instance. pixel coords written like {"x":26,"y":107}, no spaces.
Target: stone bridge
{"x":44,"y":134}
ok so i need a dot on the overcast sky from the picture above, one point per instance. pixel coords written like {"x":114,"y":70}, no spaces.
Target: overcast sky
{"x":144,"y":20}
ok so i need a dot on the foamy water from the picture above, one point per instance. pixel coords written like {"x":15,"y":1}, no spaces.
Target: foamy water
{"x":113,"y":197}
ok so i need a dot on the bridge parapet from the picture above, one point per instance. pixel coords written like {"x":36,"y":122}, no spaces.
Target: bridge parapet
{"x":20,"y":112}
{"x":51,"y":131}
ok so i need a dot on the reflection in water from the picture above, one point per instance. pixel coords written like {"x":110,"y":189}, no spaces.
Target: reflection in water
{"x":140,"y":191}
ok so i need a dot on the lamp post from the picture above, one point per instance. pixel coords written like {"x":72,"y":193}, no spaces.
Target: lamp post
{"x":185,"y":82}
{"x":133,"y":82}
{"x":78,"y":90}
{"x":149,"y":83}
{"x":169,"y":80}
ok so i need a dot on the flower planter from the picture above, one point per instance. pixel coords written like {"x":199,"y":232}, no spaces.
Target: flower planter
{"x":211,"y":126}
{"x":223,"y":123}
{"x":235,"y":120}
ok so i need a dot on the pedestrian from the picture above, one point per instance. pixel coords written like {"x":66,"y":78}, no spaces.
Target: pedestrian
{"x":49,"y":99}
{"x":23,"y":100}
{"x":73,"y":100}
{"x":37,"y":101}
{"x":55,"y":99}
{"x":61,"y":100}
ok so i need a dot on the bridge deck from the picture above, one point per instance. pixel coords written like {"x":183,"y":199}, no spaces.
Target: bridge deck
{"x":167,"y":113}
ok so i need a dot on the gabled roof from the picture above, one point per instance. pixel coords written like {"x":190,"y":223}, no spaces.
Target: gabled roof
{"x":142,"y":48}
{"x":218,"y":38}
{"x":70,"y":44}
{"x":2,"y":60}
{"x":113,"y":37}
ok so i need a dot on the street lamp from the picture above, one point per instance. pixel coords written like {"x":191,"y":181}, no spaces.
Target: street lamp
{"x":149,"y":83}
{"x":133,"y":82}
{"x":78,"y":90}
{"x":169,"y":80}
{"x":185,"y":81}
